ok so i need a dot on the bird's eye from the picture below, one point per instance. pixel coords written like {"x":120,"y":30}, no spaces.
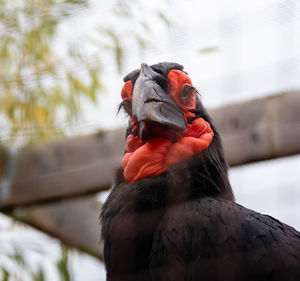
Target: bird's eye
{"x":186,"y":93}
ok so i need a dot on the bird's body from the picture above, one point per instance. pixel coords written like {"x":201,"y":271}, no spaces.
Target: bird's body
{"x":178,"y":220}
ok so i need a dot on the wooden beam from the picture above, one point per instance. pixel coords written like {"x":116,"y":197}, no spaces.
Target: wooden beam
{"x":251,"y":131}
{"x":260,"y":129}
{"x":74,"y":221}
{"x":65,"y":168}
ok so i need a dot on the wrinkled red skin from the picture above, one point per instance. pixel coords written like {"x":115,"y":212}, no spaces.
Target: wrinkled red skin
{"x":177,"y":80}
{"x":143,"y":160}
{"x":126,"y":92}
{"x":165,"y":147}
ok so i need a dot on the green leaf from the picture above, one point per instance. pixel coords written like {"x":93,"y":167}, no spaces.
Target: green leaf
{"x":18,"y":258}
{"x":39,"y":275}
{"x":164,"y":18}
{"x":63,"y":270}
{"x":209,"y":50}
{"x":62,"y":265}
{"x":5,"y":274}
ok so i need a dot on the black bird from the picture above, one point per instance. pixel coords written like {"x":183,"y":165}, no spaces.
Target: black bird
{"x":171,"y":214}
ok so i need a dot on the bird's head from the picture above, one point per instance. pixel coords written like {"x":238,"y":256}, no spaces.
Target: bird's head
{"x":166,"y":124}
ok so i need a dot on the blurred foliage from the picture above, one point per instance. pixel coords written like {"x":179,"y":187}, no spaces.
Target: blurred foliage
{"x":209,"y":50}
{"x":38,"y":91}
{"x":37,"y":87}
{"x":16,"y":266}
{"x":42,"y":86}
{"x":62,"y":265}
{"x":130,"y":27}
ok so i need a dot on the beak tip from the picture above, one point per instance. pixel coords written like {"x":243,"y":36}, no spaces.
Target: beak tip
{"x":143,"y":131}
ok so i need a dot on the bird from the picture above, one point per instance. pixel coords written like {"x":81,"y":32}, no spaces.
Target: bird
{"x":171,"y":214}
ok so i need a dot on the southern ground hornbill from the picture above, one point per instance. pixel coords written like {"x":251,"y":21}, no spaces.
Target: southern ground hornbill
{"x":171,"y":214}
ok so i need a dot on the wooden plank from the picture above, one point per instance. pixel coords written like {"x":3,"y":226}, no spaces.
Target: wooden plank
{"x":74,"y":221}
{"x":64,"y":168}
{"x":260,"y":129}
{"x":251,"y":131}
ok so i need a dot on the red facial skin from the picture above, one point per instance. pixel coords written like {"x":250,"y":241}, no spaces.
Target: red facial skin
{"x":177,"y":80}
{"x":166,"y":147}
{"x":126,"y":92}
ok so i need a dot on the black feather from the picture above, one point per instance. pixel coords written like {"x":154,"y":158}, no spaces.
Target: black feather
{"x":127,"y":106}
{"x":161,"y":68}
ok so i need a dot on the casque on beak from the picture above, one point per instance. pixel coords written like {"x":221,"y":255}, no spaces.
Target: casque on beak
{"x":152,"y":106}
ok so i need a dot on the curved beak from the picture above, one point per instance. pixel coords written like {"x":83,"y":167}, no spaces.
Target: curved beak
{"x":153,"y":106}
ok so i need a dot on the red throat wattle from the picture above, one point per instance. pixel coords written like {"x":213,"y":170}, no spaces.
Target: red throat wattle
{"x":146,"y":159}
{"x":165,"y":147}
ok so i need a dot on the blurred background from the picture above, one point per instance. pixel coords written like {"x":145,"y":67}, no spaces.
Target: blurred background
{"x":61,"y":69}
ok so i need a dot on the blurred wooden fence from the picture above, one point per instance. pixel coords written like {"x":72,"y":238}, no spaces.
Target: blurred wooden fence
{"x":53,"y":186}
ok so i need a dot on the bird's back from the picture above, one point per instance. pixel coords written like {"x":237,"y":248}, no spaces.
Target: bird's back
{"x":152,"y":233}
{"x":211,"y":239}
